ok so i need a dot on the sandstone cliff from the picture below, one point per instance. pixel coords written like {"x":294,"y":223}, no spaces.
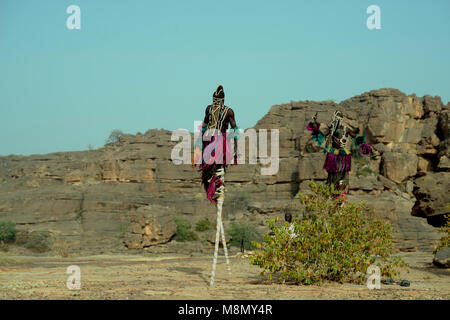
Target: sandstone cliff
{"x":125,"y":194}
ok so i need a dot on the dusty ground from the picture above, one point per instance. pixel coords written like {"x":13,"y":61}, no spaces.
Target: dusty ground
{"x":159,"y":276}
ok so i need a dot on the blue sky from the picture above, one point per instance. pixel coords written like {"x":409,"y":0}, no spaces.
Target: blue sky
{"x":137,"y":65}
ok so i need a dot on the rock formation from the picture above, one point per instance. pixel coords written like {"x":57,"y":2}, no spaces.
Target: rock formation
{"x":125,"y":194}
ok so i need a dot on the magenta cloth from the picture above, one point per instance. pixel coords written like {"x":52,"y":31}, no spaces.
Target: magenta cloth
{"x":222,"y":147}
{"x":310,"y":126}
{"x":337,"y":163}
{"x":217,"y":151}
{"x":365,"y":149}
{"x":213,"y":185}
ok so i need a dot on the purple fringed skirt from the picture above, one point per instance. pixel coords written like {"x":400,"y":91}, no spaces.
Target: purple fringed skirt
{"x":338,"y":162}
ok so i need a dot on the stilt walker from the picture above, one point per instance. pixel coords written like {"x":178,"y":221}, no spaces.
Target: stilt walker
{"x":335,"y":140}
{"x":215,"y":153}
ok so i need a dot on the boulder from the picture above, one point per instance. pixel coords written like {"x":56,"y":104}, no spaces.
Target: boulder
{"x":442,"y":258}
{"x":432,"y":194}
{"x":310,"y":166}
{"x":399,"y":166}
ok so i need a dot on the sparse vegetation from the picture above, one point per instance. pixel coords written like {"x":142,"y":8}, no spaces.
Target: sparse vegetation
{"x":364,"y":171}
{"x":243,"y":235}
{"x":114,"y":136}
{"x":445,"y":229}
{"x":62,"y":248}
{"x":123,"y":228}
{"x":335,"y":241}
{"x":238,"y":200}
{"x":37,"y":241}
{"x":184,"y":232}
{"x":3,"y":247}
{"x":79,"y":215}
{"x":203,"y":225}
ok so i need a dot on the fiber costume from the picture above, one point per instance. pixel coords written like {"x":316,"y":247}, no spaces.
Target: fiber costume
{"x":335,"y":141}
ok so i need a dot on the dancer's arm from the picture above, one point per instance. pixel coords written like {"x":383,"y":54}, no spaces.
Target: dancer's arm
{"x":317,"y":135}
{"x":205,"y":120}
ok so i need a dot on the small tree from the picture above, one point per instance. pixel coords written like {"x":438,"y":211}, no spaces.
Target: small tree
{"x":114,"y":136}
{"x":243,"y":236}
{"x":334,"y":241}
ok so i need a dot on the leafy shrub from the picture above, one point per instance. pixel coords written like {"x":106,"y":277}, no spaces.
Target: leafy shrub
{"x":243,"y":235}
{"x":445,"y":229}
{"x":114,"y":136}
{"x":184,"y":232}
{"x":203,"y":225}
{"x":7,"y":231}
{"x":38,"y":241}
{"x":334,"y":241}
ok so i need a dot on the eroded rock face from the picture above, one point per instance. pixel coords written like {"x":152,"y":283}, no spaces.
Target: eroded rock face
{"x":89,"y":197}
{"x":149,"y":226}
{"x":399,"y":166}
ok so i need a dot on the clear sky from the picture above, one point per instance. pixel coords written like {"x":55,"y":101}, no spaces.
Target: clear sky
{"x":137,"y":65}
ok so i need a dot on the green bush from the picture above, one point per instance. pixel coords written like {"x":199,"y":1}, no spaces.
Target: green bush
{"x":334,"y":241}
{"x":7,"y":231}
{"x":243,"y":236}
{"x":38,"y":241}
{"x":184,"y":232}
{"x":203,"y":225}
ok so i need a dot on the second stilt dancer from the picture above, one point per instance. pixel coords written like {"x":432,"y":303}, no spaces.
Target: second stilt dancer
{"x":336,"y":141}
{"x":216,"y":153}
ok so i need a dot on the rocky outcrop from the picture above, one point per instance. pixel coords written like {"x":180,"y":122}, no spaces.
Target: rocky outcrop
{"x":442,"y":258}
{"x":100,"y":200}
{"x":432,"y":193}
{"x":149,"y":226}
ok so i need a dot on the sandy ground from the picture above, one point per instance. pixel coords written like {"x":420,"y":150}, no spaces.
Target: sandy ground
{"x":151,"y":276}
